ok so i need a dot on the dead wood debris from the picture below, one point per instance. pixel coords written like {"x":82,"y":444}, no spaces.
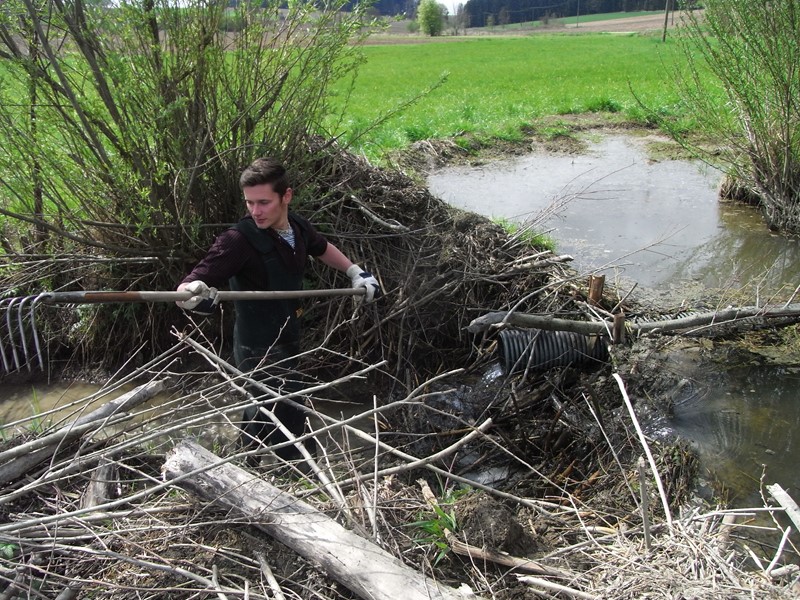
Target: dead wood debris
{"x":558,"y":447}
{"x":565,"y":525}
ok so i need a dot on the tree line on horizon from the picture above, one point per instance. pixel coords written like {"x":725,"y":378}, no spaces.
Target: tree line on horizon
{"x":485,"y":13}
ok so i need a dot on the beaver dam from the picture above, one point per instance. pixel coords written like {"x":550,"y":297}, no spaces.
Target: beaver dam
{"x":492,"y":445}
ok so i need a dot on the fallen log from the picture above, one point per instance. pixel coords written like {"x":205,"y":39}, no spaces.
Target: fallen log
{"x":99,"y":489}
{"x":705,"y":319}
{"x":787,"y":503}
{"x":19,"y":460}
{"x":355,"y":562}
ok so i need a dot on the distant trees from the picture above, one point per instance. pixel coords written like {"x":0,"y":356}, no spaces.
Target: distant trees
{"x":431,"y":15}
{"x":460,"y":20}
{"x":387,"y":7}
{"x":504,"y":17}
{"x":504,"y":12}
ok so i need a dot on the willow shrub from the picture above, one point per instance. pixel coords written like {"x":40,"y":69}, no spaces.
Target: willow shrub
{"x":124,"y":126}
{"x":752,"y":103}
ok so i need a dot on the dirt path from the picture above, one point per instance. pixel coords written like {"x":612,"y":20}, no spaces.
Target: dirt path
{"x":631,"y":24}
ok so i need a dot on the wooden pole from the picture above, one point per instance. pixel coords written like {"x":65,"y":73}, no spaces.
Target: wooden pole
{"x":640,"y":466}
{"x":112,"y":297}
{"x":702,"y":319}
{"x":596,"y":285}
{"x":618,"y":329}
{"x":666,"y":22}
{"x":366,"y":569}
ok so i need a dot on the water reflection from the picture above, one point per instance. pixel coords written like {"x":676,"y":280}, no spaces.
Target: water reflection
{"x":23,"y":407}
{"x":660,"y":224}
{"x":738,"y":420}
{"x":615,"y":211}
{"x":742,"y":253}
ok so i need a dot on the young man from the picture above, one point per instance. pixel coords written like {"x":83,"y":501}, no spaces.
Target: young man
{"x":267,"y":250}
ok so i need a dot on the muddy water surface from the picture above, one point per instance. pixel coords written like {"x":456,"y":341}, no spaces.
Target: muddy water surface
{"x":658,"y":224}
{"x":616,"y":212}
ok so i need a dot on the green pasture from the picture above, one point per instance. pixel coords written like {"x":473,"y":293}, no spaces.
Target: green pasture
{"x":493,"y":86}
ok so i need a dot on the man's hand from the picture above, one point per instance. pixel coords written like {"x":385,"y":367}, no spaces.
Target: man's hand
{"x":203,"y":302}
{"x":362,"y":278}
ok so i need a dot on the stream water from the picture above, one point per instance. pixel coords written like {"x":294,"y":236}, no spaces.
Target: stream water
{"x":658,"y":225}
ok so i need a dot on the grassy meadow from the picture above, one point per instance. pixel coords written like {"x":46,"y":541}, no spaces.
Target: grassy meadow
{"x":495,"y":85}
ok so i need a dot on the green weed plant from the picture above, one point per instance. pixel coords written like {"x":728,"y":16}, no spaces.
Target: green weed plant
{"x":536,"y":240}
{"x":432,"y":528}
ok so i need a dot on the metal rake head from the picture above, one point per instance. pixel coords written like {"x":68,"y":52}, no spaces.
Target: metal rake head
{"x":20,"y":318}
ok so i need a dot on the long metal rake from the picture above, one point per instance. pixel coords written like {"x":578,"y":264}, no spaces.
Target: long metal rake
{"x":20,"y":314}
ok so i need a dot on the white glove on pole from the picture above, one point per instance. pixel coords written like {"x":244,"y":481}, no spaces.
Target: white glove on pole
{"x":362,"y":278}
{"x":203,"y":302}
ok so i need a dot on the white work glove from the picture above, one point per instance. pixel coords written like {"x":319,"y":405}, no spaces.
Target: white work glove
{"x":203,"y":302}
{"x":362,"y":278}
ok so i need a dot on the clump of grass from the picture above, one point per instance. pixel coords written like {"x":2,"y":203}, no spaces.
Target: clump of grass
{"x":37,"y":424}
{"x":553,"y":130}
{"x":524,"y":233}
{"x":604,"y":104}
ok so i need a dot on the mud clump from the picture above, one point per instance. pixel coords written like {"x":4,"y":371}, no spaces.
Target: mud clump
{"x":486,"y":522}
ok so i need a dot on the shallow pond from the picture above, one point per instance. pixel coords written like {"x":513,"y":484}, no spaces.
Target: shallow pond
{"x":658,"y":224}
{"x":616,"y":212}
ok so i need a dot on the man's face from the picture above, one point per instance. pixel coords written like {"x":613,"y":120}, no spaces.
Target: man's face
{"x":267,"y":207}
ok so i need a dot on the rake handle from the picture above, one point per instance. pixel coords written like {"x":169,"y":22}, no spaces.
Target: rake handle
{"x":101,"y":297}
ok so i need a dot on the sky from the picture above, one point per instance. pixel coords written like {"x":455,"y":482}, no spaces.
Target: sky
{"x":451,"y":5}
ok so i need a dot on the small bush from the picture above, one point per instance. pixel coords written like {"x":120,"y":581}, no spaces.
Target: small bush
{"x":603,"y":105}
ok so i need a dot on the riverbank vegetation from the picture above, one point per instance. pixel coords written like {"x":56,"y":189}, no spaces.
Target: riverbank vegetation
{"x":749,"y":54}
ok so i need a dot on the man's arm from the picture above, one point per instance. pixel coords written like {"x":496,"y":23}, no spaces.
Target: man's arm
{"x":334,"y":258}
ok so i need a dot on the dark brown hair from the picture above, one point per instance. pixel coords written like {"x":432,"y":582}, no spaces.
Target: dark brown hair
{"x":265,"y":170}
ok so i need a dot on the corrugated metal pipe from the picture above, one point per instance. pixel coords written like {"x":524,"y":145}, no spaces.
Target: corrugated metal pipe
{"x":541,"y":349}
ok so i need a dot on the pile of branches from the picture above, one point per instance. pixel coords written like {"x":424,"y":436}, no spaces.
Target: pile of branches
{"x":439,"y":267}
{"x":96,"y":502}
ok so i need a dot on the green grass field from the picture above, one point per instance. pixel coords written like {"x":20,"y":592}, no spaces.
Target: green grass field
{"x":495,"y":86}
